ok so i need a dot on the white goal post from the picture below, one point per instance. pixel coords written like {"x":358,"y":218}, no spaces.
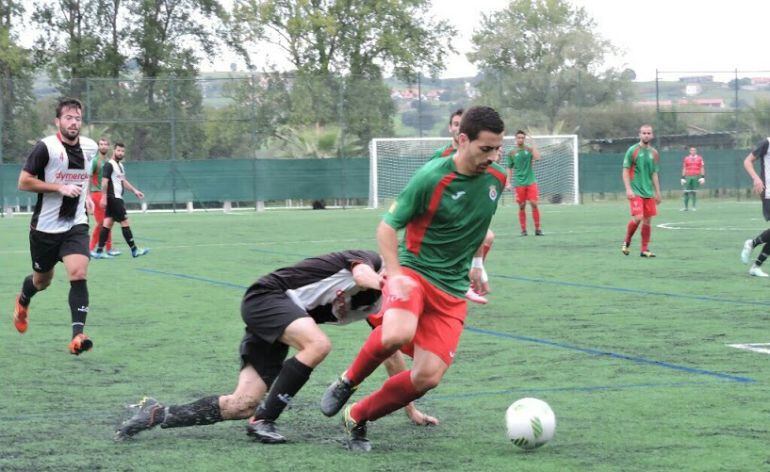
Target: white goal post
{"x":393,"y":161}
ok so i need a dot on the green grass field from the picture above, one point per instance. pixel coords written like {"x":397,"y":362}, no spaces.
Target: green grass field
{"x":632,"y":354}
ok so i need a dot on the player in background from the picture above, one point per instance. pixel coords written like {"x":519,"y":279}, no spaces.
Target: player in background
{"x":282,"y":310}
{"x":448,"y":151}
{"x":759,"y":184}
{"x":95,"y":191}
{"x":454,"y":131}
{"x":641,"y":165}
{"x":114,"y":180}
{"x":693,"y":176}
{"x":58,"y":170}
{"x":446,"y":209}
{"x":521,"y":160}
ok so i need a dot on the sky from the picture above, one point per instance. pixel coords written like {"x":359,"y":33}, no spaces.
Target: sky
{"x":667,"y":35}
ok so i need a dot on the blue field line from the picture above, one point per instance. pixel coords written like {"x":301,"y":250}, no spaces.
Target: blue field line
{"x":614,"y":355}
{"x":594,"y":388}
{"x":192,"y":277}
{"x":638,"y":360}
{"x":632,"y":290}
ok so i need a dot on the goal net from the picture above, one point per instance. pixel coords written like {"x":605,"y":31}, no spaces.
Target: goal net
{"x":393,"y":161}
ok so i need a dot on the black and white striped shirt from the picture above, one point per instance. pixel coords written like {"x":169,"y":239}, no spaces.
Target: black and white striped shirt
{"x":54,"y":161}
{"x":324,"y":286}
{"x":762,"y":152}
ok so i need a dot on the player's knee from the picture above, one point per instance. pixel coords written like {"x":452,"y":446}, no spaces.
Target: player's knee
{"x":41,"y":284}
{"x":424,"y":381}
{"x":321,"y":348}
{"x":395,"y":339}
{"x":522,"y":206}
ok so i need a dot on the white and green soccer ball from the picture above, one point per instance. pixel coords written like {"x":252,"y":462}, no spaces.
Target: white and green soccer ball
{"x":530,"y":423}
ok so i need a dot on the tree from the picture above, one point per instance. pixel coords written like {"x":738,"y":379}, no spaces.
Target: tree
{"x":19,"y":122}
{"x":342,"y":48}
{"x":543,"y":55}
{"x":78,"y":39}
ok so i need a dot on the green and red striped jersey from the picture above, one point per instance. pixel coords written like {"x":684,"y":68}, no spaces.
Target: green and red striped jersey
{"x":520,"y":160}
{"x":642,"y":162}
{"x":446,"y":215}
{"x":445,"y":151}
{"x":96,"y":175}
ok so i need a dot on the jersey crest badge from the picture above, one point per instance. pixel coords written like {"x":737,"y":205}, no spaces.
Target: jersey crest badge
{"x":492,"y":193}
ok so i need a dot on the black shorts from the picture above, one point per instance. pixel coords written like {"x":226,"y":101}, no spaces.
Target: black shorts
{"x":766,"y":208}
{"x":116,"y":209}
{"x":47,"y":249}
{"x":267,"y":313}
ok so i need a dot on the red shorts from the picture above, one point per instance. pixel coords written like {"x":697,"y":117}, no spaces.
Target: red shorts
{"x":441,"y":317}
{"x":644,"y":207}
{"x":526,"y":193}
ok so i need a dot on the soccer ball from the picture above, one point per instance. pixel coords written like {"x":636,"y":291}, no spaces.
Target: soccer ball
{"x":530,"y":423}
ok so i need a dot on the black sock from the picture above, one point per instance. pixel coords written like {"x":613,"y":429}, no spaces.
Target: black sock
{"x":103,"y":235}
{"x":28,"y":291}
{"x":200,"y":412}
{"x":763,"y":255}
{"x":762,"y":238}
{"x":129,"y":237}
{"x":290,"y":380}
{"x":78,"y":305}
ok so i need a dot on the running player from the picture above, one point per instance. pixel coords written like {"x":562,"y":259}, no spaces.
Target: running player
{"x":448,"y":151}
{"x":446,"y":209}
{"x":95,"y":191}
{"x":58,"y":169}
{"x":760,"y":188}
{"x":454,"y":131}
{"x":283,"y":309}
{"x":640,"y":177}
{"x":693,"y":176}
{"x":521,"y":160}
{"x":114,"y":179}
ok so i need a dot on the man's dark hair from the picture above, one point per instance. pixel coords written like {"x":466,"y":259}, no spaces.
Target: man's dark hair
{"x":458,"y":112}
{"x":119,"y":144}
{"x":478,"y":119}
{"x":67,"y":103}
{"x":520,"y":132}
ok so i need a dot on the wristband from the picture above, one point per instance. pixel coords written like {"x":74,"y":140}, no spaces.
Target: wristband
{"x":477,"y":263}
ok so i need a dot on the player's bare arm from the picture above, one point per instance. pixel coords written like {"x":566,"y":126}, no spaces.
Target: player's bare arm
{"x":748,"y":164}
{"x":30,"y":183}
{"x":105,"y":184}
{"x":477,"y":275}
{"x":535,"y":153}
{"x":136,"y":191}
{"x":509,"y":178}
{"x":656,"y":184}
{"x":399,"y":285}
{"x":366,"y":277}
{"x":627,"y":183}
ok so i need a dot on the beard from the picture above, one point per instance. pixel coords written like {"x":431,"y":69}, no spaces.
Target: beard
{"x":69,"y":133}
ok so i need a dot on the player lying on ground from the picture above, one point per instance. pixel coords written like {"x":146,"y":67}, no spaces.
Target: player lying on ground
{"x":282,"y":310}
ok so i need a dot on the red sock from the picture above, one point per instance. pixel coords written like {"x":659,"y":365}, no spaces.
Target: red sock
{"x":523,"y":219}
{"x":646,"y":230}
{"x":395,"y":393}
{"x":371,"y":355}
{"x":630,"y":230}
{"x":536,"y":217}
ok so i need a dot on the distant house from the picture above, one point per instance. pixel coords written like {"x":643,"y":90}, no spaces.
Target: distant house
{"x":760,"y":81}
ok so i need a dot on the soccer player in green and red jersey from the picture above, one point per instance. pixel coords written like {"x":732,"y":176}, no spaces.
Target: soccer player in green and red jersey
{"x":520,"y":160}
{"x":446,"y":209}
{"x":454,"y":130}
{"x":96,"y":196}
{"x":640,"y":176}
{"x":693,"y":176}
{"x":448,"y":151}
